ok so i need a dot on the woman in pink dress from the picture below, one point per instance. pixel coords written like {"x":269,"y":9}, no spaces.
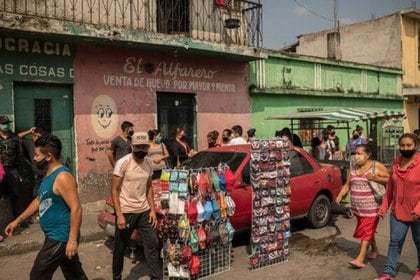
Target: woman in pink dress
{"x":363,"y":203}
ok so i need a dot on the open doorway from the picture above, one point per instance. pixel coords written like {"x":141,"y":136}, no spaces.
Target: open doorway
{"x":177,"y":110}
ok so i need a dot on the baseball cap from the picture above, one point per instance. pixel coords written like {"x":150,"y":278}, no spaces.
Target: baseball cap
{"x":4,"y":119}
{"x":140,"y":138}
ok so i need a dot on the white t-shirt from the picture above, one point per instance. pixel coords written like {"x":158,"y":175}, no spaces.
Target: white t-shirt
{"x":237,"y":141}
{"x":133,"y":195}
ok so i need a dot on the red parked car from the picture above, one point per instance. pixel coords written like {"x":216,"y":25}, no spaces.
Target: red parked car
{"x":314,"y":186}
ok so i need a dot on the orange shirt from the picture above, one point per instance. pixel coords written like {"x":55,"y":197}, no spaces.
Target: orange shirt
{"x":403,"y":191}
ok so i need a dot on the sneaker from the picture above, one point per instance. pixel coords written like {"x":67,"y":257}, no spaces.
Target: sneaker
{"x":372,"y":255}
{"x":417,"y":275}
{"x":385,"y":277}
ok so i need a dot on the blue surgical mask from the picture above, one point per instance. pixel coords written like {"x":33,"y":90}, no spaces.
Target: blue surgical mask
{"x":158,"y":139}
{"x":5,"y":127}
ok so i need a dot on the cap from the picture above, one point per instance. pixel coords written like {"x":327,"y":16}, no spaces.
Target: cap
{"x":4,"y":119}
{"x":140,"y":138}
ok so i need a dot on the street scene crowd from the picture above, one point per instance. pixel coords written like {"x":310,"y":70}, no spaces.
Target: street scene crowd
{"x":138,"y":158}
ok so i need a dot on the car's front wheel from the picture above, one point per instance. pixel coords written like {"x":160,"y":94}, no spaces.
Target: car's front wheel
{"x":320,"y":212}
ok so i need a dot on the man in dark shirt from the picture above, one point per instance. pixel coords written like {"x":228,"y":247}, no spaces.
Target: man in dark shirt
{"x":121,"y":145}
{"x":9,"y":151}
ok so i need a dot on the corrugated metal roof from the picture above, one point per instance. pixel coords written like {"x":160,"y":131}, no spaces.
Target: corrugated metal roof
{"x":345,"y":115}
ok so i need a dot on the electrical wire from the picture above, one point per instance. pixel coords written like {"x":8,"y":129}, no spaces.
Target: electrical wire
{"x":312,"y":12}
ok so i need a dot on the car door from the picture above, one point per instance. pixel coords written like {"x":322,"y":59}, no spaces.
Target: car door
{"x":304,"y":183}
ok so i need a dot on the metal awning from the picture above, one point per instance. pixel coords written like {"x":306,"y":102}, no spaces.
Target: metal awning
{"x":343,"y":115}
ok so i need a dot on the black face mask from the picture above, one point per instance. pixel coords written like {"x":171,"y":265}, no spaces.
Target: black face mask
{"x":407,"y":153}
{"x":42,"y":165}
{"x":140,"y":154}
{"x":332,"y":133}
{"x":130,"y":133}
{"x":355,"y":136}
{"x":183,"y":138}
{"x":210,"y":144}
{"x":225,"y":139}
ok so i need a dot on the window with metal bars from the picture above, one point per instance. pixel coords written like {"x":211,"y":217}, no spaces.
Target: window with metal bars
{"x":42,"y":109}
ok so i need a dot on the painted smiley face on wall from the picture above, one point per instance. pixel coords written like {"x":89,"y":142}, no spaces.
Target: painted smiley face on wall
{"x":104,"y":116}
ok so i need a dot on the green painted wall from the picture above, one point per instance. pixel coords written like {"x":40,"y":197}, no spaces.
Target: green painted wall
{"x":32,"y":61}
{"x":263,"y":105}
{"x":289,"y":74}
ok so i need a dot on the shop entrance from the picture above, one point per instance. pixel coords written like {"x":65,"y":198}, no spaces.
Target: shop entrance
{"x":48,"y":106}
{"x":177,"y":110}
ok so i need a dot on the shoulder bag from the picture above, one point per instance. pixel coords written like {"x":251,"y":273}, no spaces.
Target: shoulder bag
{"x":377,"y":188}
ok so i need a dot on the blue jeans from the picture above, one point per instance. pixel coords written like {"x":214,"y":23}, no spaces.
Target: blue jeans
{"x":398,"y":233}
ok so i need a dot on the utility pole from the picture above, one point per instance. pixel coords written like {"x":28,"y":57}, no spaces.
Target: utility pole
{"x":335,"y":14}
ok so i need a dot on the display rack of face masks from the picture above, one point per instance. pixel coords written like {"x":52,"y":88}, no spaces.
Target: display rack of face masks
{"x":270,"y":180}
{"x":195,"y":229}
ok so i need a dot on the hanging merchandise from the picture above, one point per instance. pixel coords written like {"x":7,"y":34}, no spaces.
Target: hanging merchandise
{"x":195,"y":227}
{"x":270,"y":178}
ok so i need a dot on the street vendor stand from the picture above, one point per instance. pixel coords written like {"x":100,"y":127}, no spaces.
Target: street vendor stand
{"x":310,"y":123}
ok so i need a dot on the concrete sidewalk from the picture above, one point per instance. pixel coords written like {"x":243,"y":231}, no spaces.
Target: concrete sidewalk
{"x":32,"y":238}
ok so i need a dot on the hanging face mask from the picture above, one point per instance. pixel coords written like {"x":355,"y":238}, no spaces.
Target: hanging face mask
{"x":140,"y":154}
{"x":5,"y":127}
{"x":360,"y":160}
{"x":158,"y":139}
{"x":407,"y":153}
{"x":42,"y":165}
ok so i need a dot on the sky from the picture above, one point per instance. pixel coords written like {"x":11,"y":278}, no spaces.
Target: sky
{"x":284,"y":20}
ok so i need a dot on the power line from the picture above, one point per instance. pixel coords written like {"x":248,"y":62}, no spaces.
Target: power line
{"x":312,"y":12}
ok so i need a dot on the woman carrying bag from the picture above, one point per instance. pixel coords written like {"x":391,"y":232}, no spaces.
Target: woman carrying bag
{"x":364,"y":204}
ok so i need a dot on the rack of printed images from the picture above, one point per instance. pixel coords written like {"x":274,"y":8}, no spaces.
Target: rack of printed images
{"x":194,"y":225}
{"x":270,"y":181}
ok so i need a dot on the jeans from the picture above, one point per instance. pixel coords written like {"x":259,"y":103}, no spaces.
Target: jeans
{"x":398,"y":233}
{"x":52,"y":256}
{"x":11,"y":185}
{"x":150,"y":243}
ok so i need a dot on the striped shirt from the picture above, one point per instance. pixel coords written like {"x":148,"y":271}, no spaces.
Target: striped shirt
{"x":363,"y":203}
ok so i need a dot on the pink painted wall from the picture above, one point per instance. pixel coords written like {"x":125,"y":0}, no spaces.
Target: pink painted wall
{"x":112,"y":85}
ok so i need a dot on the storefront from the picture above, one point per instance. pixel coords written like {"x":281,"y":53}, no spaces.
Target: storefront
{"x":83,"y":93}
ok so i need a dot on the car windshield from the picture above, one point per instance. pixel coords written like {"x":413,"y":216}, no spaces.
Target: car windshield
{"x":213,"y":158}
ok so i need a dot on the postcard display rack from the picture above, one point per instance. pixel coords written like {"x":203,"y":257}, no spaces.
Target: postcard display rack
{"x":270,"y":180}
{"x":194,"y":224}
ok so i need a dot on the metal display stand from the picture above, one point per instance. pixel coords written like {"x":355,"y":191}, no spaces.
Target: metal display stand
{"x":270,"y":180}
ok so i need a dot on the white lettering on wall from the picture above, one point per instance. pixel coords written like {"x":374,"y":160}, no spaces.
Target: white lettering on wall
{"x":34,"y":47}
{"x":167,"y":75}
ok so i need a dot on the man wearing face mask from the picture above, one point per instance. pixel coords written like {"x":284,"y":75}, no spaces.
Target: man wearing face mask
{"x":132,"y":195}
{"x":121,"y":144}
{"x":60,"y":214}
{"x":9,"y":151}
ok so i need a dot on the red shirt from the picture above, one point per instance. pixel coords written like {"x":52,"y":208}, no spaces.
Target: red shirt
{"x":403,"y":191}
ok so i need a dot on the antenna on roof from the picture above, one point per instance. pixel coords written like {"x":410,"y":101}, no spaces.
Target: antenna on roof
{"x":335,"y":14}
{"x":413,"y":4}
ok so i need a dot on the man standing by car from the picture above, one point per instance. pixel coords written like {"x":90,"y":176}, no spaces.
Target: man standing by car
{"x":132,"y":195}
{"x":60,"y":215}
{"x":121,"y":145}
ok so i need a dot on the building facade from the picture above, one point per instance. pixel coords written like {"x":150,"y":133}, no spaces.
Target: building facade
{"x":393,"y":41}
{"x":81,"y":68}
{"x":292,"y":84}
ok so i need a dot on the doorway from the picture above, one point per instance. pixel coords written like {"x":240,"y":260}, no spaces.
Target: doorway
{"x":177,"y":110}
{"x":50,"y":107}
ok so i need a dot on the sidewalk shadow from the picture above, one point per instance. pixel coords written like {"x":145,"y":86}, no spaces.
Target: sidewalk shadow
{"x":351,"y":249}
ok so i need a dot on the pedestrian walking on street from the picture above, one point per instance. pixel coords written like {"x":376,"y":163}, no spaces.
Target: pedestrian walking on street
{"x":403,"y":196}
{"x":60,"y":215}
{"x":120,"y":145}
{"x":9,"y":152}
{"x":132,"y":195}
{"x":363,"y":203}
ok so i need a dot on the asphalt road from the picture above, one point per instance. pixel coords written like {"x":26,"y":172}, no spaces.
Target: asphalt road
{"x":315,"y":254}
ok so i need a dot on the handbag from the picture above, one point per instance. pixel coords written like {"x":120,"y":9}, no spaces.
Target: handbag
{"x":377,"y":188}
